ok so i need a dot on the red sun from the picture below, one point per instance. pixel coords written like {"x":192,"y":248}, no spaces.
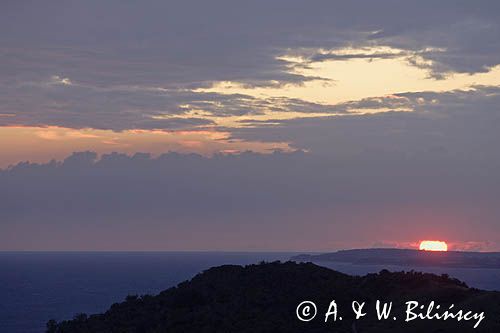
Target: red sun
{"x":433,"y":245}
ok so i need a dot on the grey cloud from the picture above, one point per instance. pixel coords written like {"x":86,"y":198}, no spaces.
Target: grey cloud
{"x":74,"y":105}
{"x":465,"y":45}
{"x":193,"y":43}
{"x":462,"y":126}
{"x":129,"y":62}
{"x":403,"y":174}
{"x":65,"y":102}
{"x":187,"y":201}
{"x":120,"y":65}
{"x":336,"y":56}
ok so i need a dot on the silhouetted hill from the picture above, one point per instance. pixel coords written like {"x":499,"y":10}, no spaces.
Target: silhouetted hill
{"x":408,"y":257}
{"x":264,"y":298}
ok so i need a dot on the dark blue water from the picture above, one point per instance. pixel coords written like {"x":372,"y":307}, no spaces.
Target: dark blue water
{"x":36,"y":287}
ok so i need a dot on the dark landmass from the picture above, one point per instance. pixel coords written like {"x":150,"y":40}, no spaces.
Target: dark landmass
{"x":403,"y":257}
{"x":264,"y":298}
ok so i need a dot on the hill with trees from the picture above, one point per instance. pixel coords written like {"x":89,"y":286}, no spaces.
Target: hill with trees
{"x":264,"y":298}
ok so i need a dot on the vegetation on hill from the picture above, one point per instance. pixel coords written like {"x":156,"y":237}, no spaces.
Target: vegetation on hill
{"x":264,"y":298}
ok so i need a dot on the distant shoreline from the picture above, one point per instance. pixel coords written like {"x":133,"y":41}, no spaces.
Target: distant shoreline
{"x":408,"y":257}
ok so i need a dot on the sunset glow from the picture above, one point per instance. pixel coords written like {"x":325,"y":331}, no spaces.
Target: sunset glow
{"x":308,"y":127}
{"x":429,"y":245}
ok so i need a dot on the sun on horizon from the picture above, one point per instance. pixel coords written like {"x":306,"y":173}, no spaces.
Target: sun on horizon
{"x":433,"y":245}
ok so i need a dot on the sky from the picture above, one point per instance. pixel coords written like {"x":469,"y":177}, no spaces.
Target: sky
{"x":249,"y":125}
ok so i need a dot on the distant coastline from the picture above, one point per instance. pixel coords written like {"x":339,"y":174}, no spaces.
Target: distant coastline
{"x":408,"y":257}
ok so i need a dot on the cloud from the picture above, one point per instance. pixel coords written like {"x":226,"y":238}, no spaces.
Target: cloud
{"x":429,"y":173}
{"x":462,"y":46}
{"x":191,"y":43}
{"x":245,"y":201}
{"x":119,"y":66}
{"x":67,"y":103}
{"x":140,"y":61}
{"x":461,"y":125}
{"x":336,"y":56}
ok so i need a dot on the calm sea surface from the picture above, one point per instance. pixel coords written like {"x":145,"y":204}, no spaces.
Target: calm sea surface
{"x":35,"y":287}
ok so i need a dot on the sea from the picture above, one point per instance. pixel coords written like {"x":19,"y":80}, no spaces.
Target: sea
{"x":38,"y":286}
